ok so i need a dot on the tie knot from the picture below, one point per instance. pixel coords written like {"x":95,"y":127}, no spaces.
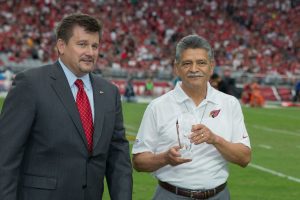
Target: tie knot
{"x":79,"y":84}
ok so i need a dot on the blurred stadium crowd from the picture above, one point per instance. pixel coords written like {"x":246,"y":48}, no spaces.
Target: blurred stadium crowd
{"x":260,"y":37}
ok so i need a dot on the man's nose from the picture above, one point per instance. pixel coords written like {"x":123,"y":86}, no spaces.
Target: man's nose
{"x":194,"y":67}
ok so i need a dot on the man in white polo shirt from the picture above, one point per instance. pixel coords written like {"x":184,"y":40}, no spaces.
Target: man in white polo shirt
{"x":217,"y":134}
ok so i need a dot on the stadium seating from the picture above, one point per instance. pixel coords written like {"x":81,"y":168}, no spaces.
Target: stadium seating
{"x":256,"y":37}
{"x":141,"y":35}
{"x":285,"y":93}
{"x":269,"y":93}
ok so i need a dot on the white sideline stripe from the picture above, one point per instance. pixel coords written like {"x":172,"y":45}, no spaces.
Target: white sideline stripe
{"x":131,"y":129}
{"x":274,"y":172}
{"x":129,"y":126}
{"x":265,"y":146}
{"x":131,"y":133}
{"x":276,"y":130}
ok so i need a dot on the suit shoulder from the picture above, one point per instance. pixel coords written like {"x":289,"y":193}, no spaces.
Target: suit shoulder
{"x":103,"y":83}
{"x":37,"y":71}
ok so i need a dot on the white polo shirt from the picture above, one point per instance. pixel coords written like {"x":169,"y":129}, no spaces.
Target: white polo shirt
{"x":157,"y":133}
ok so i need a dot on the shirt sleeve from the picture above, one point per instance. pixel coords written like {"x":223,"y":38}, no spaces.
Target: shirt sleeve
{"x":147,"y":136}
{"x":240,"y":134}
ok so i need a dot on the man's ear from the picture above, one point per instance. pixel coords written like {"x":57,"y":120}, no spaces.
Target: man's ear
{"x":60,"y":45}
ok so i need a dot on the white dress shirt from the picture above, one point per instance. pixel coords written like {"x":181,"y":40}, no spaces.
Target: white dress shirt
{"x":71,"y":77}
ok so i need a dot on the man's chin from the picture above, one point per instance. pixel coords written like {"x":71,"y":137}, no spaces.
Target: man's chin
{"x":85,"y":70}
{"x":197,"y":83}
{"x":87,"y":63}
{"x":87,"y":67}
{"x":196,"y":80}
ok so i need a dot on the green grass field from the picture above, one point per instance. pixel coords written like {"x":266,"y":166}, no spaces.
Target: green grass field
{"x":274,"y":173}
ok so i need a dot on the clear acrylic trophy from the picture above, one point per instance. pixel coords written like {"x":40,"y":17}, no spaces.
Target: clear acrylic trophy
{"x":184,"y":126}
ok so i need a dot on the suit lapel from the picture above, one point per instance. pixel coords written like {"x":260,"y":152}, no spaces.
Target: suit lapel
{"x":61,"y":86}
{"x":99,"y":109}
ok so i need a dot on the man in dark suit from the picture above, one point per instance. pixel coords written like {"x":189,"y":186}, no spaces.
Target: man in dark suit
{"x":61,"y":127}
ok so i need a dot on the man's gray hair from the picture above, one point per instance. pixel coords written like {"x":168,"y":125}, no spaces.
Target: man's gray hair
{"x":193,"y":42}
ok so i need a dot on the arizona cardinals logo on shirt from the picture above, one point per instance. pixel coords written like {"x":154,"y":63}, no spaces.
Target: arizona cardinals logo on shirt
{"x":214,"y":113}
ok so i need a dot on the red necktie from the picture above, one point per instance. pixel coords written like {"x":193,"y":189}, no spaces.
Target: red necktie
{"x":85,"y":112}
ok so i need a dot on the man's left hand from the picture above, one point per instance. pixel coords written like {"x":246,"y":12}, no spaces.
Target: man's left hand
{"x":200,"y":134}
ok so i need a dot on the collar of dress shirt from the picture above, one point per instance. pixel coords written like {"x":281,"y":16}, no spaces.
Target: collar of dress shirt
{"x":72,"y":78}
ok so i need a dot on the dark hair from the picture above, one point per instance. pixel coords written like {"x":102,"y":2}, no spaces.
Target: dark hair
{"x":193,"y":42}
{"x":64,"y":29}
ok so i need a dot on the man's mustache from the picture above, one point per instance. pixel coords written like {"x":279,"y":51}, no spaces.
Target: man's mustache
{"x":193,"y":75}
{"x":90,"y":59}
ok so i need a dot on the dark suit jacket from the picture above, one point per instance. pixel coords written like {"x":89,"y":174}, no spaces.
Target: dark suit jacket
{"x":43,"y":149}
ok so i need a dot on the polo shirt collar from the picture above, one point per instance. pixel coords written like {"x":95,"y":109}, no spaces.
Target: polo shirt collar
{"x":181,"y":96}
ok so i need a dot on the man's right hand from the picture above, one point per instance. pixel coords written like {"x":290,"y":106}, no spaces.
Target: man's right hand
{"x":150,"y":162}
{"x":173,"y":157}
